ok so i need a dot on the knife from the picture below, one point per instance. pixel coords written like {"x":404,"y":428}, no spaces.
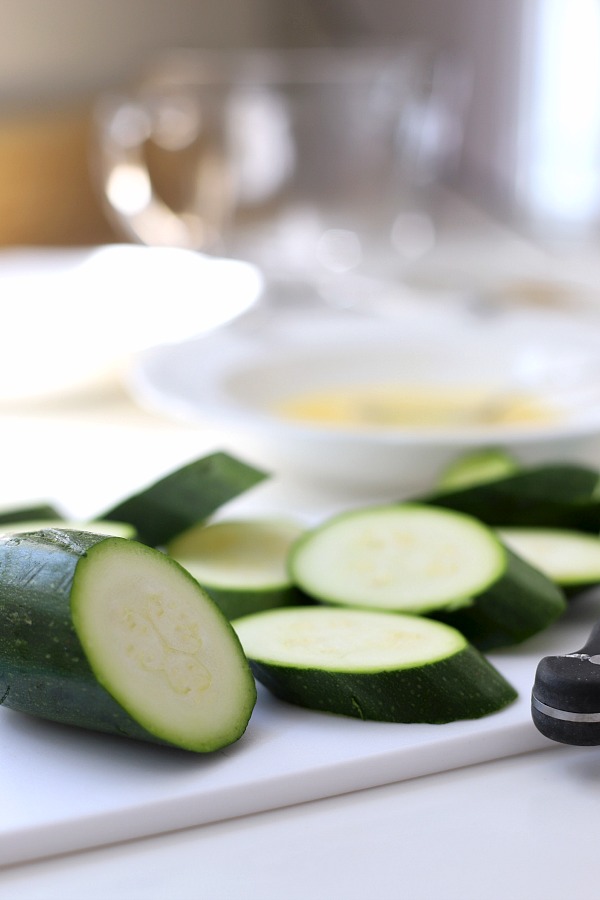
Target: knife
{"x":565,"y":700}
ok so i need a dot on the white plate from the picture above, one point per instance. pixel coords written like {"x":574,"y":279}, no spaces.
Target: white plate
{"x":234,"y":378}
{"x":70,"y":316}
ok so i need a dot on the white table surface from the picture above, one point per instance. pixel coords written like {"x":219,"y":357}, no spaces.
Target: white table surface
{"x":523,"y":828}
{"x":520,"y":827}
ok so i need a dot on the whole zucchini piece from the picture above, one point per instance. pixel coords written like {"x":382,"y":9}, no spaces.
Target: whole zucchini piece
{"x":371,"y":665}
{"x":111,"y":635}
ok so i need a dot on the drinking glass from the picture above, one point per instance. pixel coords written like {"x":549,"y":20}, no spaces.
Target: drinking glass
{"x":312,"y":164}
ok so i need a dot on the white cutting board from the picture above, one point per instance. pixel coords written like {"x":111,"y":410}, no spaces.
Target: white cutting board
{"x":64,"y":789}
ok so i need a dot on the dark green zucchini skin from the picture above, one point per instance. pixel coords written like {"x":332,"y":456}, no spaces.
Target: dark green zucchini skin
{"x":38,"y":512}
{"x":236,"y":603}
{"x":520,"y":604}
{"x":550,"y":496}
{"x":184,"y":497}
{"x":462,"y":686}
{"x":43,"y":668}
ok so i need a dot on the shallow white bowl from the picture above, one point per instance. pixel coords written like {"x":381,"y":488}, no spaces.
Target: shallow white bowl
{"x":235,"y":378}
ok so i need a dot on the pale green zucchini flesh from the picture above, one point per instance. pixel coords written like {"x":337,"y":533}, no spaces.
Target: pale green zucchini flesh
{"x":405,"y":557}
{"x":99,"y":526}
{"x":477,"y":467}
{"x":419,"y":559}
{"x":111,"y":635}
{"x":570,"y":558}
{"x":371,"y":665}
{"x":241,"y":563}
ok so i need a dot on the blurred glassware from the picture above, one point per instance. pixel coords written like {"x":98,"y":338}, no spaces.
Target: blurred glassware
{"x":312,"y":164}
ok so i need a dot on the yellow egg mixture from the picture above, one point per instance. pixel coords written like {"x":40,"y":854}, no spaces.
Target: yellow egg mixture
{"x":408,"y":407}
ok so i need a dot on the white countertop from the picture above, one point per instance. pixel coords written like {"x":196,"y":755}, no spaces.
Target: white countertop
{"x":518,"y":827}
{"x":521,"y":827}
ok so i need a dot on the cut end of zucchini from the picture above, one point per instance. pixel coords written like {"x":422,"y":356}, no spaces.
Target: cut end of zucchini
{"x":346,"y":640}
{"x":371,"y":665}
{"x":405,"y":557}
{"x":569,"y":558}
{"x":241,"y":563}
{"x":162,"y":649}
{"x":239,"y":554}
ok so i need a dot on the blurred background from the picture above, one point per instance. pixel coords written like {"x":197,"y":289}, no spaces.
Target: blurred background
{"x":531,"y":144}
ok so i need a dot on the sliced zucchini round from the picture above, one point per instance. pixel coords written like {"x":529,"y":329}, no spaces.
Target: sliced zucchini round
{"x":109,"y":634}
{"x":424,"y":560}
{"x":241,"y":563}
{"x":371,"y":665}
{"x":406,"y":557}
{"x":570,"y":558}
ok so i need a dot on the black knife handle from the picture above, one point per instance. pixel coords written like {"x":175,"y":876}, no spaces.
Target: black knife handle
{"x":565,"y":701}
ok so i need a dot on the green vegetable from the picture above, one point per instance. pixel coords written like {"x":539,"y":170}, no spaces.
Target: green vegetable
{"x":418,"y":559}
{"x":111,"y":635}
{"x":117,"y":529}
{"x":477,"y":467}
{"x":241,"y":563}
{"x":38,"y":512}
{"x":517,"y":606}
{"x":549,"y":496}
{"x":185,"y":497}
{"x":570,"y":558}
{"x":371,"y":665}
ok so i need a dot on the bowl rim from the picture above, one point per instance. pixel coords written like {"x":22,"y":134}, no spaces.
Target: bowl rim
{"x":149,"y":382}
